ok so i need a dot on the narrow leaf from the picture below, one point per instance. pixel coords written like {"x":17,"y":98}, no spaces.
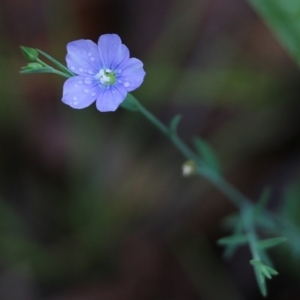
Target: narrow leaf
{"x":41,"y":70}
{"x":174,"y":124}
{"x":269,"y":243}
{"x":237,"y":239}
{"x":271,"y":271}
{"x":57,"y":63}
{"x":207,"y":154}
{"x":260,"y":281}
{"x":262,"y":202}
{"x":283,"y":17}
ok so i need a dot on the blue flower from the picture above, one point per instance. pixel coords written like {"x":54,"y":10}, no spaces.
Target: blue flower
{"x":103,"y":73}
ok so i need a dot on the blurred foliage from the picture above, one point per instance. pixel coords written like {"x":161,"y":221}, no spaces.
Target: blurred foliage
{"x":284,"y":18}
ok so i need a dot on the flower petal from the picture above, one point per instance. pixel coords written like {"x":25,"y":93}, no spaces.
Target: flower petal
{"x":132,"y":74}
{"x":83,"y":57}
{"x":110,"y":99}
{"x":111,"y":51}
{"x":80,"y":92}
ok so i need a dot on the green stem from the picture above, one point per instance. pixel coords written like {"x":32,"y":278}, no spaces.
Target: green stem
{"x":233,"y":194}
{"x":53,"y":70}
{"x":247,"y":217}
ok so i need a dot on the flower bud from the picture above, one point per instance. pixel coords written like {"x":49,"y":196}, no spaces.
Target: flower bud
{"x":30,"y":54}
{"x":189,"y":168}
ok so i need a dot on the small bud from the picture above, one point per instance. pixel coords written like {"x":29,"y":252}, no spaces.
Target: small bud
{"x":189,"y":168}
{"x":34,"y":66}
{"x":30,"y":54}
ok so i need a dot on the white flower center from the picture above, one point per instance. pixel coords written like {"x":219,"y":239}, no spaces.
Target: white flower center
{"x":106,"y":77}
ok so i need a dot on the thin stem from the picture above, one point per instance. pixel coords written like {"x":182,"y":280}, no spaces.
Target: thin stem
{"x":61,"y":73}
{"x":53,"y":70}
{"x":233,"y":194}
{"x":247,"y":217}
{"x":240,"y":200}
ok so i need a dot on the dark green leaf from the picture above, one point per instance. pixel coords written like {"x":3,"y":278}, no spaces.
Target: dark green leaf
{"x":283,"y":16}
{"x":41,"y":70}
{"x":174,"y":124}
{"x":207,"y":154}
{"x":237,"y":239}
{"x":269,"y":243}
{"x":262,"y":202}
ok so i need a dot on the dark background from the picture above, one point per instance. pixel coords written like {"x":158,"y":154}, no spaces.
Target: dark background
{"x":93,"y":205}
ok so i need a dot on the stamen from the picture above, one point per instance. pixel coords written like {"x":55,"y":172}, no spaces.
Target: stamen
{"x":106,"y":77}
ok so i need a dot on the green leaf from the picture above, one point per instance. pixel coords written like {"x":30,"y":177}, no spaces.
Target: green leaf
{"x":57,"y":63}
{"x":130,"y":103}
{"x":174,"y":124}
{"x":31,"y":66}
{"x":283,"y":16}
{"x":271,"y":271}
{"x":207,"y":154}
{"x":260,"y":279}
{"x":262,"y":202}
{"x":262,"y":271}
{"x":269,"y":243}
{"x":33,"y":71}
{"x":237,"y":239}
{"x":30,"y":54}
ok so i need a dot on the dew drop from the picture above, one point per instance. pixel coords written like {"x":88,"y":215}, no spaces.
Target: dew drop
{"x":93,"y":94}
{"x":90,"y":71}
{"x":89,"y":54}
{"x":73,"y":68}
{"x":87,"y":81}
{"x":126,"y":84}
{"x":92,"y":58}
{"x":75,"y":102}
{"x":80,"y":70}
{"x":80,"y":81}
{"x":86,"y":90}
{"x":76,"y":85}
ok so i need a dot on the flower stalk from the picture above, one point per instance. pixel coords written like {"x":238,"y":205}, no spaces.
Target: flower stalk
{"x":109,"y":83}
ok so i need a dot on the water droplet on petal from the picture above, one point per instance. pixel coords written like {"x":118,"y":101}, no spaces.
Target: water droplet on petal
{"x":76,"y":85}
{"x":87,"y":81}
{"x":89,"y":54}
{"x":80,"y":81}
{"x":73,"y":68}
{"x":126,"y":84}
{"x":93,"y":94}
{"x":75,"y":100}
{"x":80,"y":70}
{"x":92,"y":58}
{"x":90,"y":71}
{"x":86,"y":90}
